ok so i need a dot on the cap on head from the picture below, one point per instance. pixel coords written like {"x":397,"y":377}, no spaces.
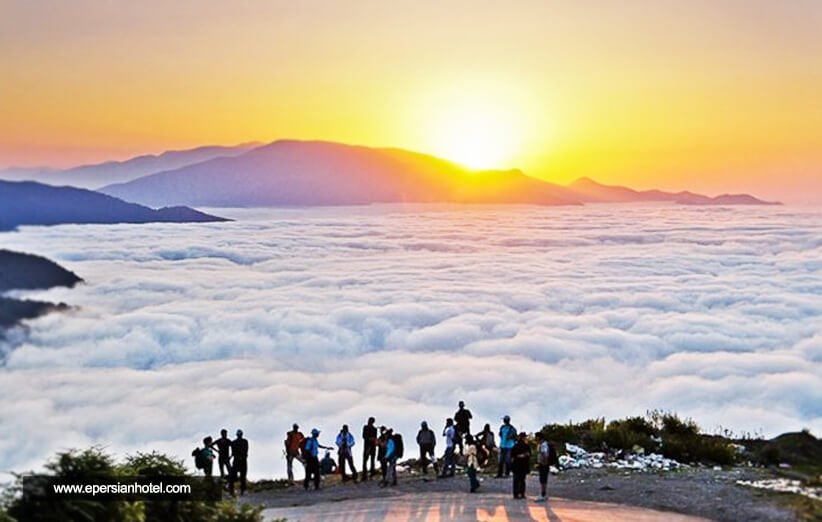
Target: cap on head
{"x":315,"y":432}
{"x":239,"y":433}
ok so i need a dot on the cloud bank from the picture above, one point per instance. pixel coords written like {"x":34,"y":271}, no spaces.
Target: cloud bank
{"x":326,"y":316}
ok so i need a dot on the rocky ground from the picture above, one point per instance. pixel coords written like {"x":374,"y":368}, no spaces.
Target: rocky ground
{"x":703,"y":492}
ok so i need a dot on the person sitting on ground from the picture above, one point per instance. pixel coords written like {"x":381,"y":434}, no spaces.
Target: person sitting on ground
{"x":507,"y":439}
{"x":224,"y":453}
{"x":449,"y":464}
{"x":327,"y":464}
{"x":462,"y":424}
{"x":521,"y":464}
{"x":472,"y":464}
{"x":485,"y":445}
{"x":369,"y":448}
{"x":427,"y":441}
{"x":311,"y":450}
{"x":294,"y":440}
{"x":239,"y":463}
{"x":345,"y":443}
{"x":546,"y":457}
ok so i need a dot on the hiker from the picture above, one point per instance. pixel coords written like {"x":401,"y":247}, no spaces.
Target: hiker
{"x":345,"y":441}
{"x":224,"y":453}
{"x":507,"y":439}
{"x":427,"y":441}
{"x":294,"y":440}
{"x":204,"y":458}
{"x":311,"y":450}
{"x":239,"y":464}
{"x":382,"y":442}
{"x":327,"y":464}
{"x":485,"y":445}
{"x":369,"y":448}
{"x":462,"y":426}
{"x":450,"y":434}
{"x":393,"y":452}
{"x":546,"y":457}
{"x":472,"y":463}
{"x":521,"y":464}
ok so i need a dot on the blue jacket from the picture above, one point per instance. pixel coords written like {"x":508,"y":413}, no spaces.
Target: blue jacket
{"x":389,"y":449}
{"x":507,"y":436}
{"x":349,"y":440}
{"x":312,"y":446}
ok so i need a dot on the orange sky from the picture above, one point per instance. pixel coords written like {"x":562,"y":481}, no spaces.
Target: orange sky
{"x":712,"y":95}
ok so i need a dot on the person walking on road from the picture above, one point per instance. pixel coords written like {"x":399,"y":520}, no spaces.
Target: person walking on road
{"x":294,"y":440}
{"x":546,"y":457}
{"x":521,"y":464}
{"x":427,"y":441}
{"x":507,"y":439}
{"x":345,"y":445}
{"x":369,"y":448}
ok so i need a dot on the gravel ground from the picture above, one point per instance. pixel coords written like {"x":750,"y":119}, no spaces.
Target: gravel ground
{"x":701,"y":492}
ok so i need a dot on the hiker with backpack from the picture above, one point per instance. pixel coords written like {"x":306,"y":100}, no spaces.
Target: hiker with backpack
{"x":369,"y":448}
{"x":427,"y":441}
{"x":546,"y":457}
{"x":345,"y":441}
{"x":294,"y":440}
{"x":462,"y":424}
{"x":224,"y":453}
{"x":239,"y":464}
{"x":471,"y":462}
{"x":311,"y":449}
{"x":507,"y":439}
{"x":521,"y":464}
{"x":485,"y":445}
{"x":449,"y":465}
{"x":393,"y":452}
{"x":204,"y":457}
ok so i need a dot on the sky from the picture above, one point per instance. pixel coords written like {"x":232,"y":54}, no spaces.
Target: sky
{"x":712,"y":96}
{"x":325,"y":316}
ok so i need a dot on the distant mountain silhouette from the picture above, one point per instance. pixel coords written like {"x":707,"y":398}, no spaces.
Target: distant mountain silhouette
{"x":97,"y":175}
{"x":589,"y":191}
{"x":321,"y":173}
{"x":30,"y":203}
{"x":20,"y":271}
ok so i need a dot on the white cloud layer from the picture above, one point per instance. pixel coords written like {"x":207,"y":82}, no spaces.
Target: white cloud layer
{"x":326,"y":316}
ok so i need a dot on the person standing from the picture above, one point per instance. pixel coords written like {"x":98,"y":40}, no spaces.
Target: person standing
{"x":485,"y":445}
{"x":311,"y":451}
{"x":393,"y":449}
{"x":507,"y":439}
{"x":382,"y":443}
{"x":239,"y":464}
{"x":546,"y":457}
{"x":345,"y":441}
{"x":294,"y":440}
{"x":472,"y":463}
{"x":207,"y":456}
{"x":224,"y":453}
{"x":369,"y":448}
{"x":450,"y":434}
{"x":427,"y":441}
{"x":521,"y":464}
{"x":462,"y":420}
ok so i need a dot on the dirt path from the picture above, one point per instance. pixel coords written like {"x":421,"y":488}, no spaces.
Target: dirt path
{"x":435,"y":507}
{"x":702,"y":493}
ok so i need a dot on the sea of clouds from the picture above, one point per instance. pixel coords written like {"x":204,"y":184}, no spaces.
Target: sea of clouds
{"x":327,"y":316}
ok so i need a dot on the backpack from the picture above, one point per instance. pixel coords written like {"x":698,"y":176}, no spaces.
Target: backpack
{"x":398,"y":446}
{"x":199,"y":458}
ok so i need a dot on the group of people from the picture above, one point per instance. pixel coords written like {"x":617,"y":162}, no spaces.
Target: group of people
{"x":382,"y":444}
{"x":231,"y":456}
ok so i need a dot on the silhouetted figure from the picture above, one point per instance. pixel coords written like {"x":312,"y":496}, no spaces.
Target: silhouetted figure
{"x":393,"y":452}
{"x":382,"y":442}
{"x":224,"y":453}
{"x":427,"y":441}
{"x":311,"y":450}
{"x":239,"y":463}
{"x":345,"y":443}
{"x":521,"y":464}
{"x":471,"y":462}
{"x":450,"y":434}
{"x":485,"y":445}
{"x":327,"y":464}
{"x":462,"y":424}
{"x":507,"y":439}
{"x":294,"y":440}
{"x":206,"y":461}
{"x":546,"y":457}
{"x":369,"y":448}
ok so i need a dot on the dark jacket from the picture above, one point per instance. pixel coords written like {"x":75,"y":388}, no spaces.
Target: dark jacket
{"x":426,"y":437}
{"x":521,"y":458}
{"x":462,"y":420}
{"x":239,"y":449}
